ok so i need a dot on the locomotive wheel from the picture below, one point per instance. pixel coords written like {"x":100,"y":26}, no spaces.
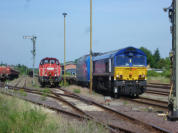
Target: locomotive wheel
{"x":115,"y":95}
{"x":136,"y":95}
{"x":42,"y":85}
{"x":56,"y":84}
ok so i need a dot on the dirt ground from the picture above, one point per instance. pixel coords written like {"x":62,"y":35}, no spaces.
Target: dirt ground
{"x":144,"y":113}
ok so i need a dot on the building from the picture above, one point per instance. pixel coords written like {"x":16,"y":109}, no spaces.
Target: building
{"x":70,"y":68}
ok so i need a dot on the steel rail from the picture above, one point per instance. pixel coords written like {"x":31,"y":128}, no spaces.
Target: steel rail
{"x":18,"y":82}
{"x":163,"y":105}
{"x":157,"y":92}
{"x":124,"y":116}
{"x":154,"y":100}
{"x":160,"y":84}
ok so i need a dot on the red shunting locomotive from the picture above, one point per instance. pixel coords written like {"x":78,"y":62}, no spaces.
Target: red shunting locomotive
{"x":49,"y":72}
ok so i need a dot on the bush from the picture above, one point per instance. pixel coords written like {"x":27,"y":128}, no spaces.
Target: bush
{"x":153,"y":74}
{"x":15,"y":119}
{"x":166,"y":73}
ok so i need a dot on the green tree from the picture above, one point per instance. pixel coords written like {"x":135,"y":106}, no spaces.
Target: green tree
{"x":156,"y":58}
{"x":22,"y":69}
{"x":167,"y":63}
{"x":161,"y":63}
{"x":164,"y":63}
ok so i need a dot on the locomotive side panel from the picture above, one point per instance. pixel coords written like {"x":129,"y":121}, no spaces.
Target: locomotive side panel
{"x":100,"y":67}
{"x":83,"y":69}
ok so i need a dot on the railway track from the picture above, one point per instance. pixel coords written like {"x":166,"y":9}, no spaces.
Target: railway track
{"x":150,"y":102}
{"x":158,"y":89}
{"x":157,"y":92}
{"x":160,"y":86}
{"x":66,"y":97}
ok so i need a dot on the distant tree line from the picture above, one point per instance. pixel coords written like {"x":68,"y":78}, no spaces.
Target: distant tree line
{"x":154,"y":59}
{"x":24,"y":70}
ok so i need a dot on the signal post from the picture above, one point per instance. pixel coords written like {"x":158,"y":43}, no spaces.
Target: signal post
{"x":173,"y":97}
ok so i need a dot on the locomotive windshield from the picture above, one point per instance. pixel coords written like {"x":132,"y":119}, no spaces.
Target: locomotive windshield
{"x":139,"y":61}
{"x":52,"y":61}
{"x":49,"y":61}
{"x":122,"y":60}
{"x":136,"y":60}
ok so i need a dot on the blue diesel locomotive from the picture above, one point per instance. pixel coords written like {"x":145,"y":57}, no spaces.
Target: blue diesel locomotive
{"x":120,"y":72}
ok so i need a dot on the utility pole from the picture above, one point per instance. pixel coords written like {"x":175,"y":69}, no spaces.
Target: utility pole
{"x":64,"y":14}
{"x":173,"y":97}
{"x":33,"y":38}
{"x":91,"y":80}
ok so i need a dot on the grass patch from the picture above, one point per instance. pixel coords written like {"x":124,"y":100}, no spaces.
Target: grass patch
{"x":45,"y":92}
{"x":125,"y":102}
{"x":43,"y":97}
{"x":36,"y":85}
{"x":155,"y":77}
{"x":18,"y":116}
{"x":62,"y":83}
{"x":76,"y":90}
{"x":22,"y":92}
{"x":158,"y":79}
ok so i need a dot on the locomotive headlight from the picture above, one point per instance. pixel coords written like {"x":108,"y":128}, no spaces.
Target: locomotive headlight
{"x":143,"y":76}
{"x":55,"y":74}
{"x":121,"y":76}
{"x":117,"y":76}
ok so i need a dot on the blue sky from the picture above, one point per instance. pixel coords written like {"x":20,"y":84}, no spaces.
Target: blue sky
{"x":116,"y":24}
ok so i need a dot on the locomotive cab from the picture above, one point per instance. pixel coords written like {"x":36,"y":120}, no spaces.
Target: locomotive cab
{"x":49,"y":72}
{"x":121,"y":72}
{"x":130,"y":72}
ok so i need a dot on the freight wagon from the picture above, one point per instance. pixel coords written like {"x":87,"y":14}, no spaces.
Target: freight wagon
{"x":6,"y":72}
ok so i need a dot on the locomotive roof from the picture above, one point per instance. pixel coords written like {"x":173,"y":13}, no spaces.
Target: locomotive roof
{"x":88,"y":55}
{"x":111,"y":54}
{"x":49,"y":58}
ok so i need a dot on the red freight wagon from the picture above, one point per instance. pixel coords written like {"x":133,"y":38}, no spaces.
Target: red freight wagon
{"x":49,"y":72}
{"x":6,"y":72}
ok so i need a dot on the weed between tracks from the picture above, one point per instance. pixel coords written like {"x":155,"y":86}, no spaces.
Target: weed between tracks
{"x":76,"y":90}
{"x":45,"y":92}
{"x":62,"y":83}
{"x":18,"y":116}
{"x":125,"y":102}
{"x":22,"y":93}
